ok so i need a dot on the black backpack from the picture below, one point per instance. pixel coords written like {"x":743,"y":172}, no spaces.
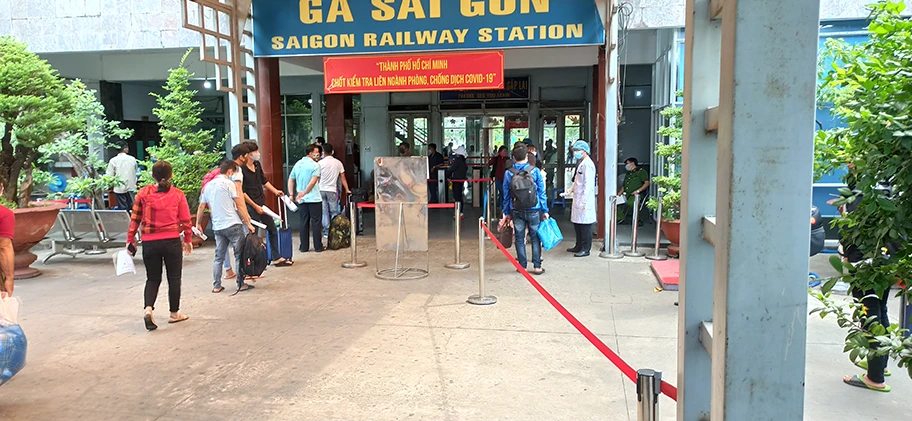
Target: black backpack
{"x":523,"y":190}
{"x":253,"y":256}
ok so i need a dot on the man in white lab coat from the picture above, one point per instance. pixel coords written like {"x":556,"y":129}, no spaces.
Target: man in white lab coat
{"x":585,"y":208}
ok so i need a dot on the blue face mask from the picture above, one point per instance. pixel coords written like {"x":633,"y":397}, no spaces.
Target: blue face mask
{"x":578,"y":154}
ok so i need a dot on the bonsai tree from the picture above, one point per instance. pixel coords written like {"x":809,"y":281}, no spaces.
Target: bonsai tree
{"x":670,"y":183}
{"x":188,"y":149}
{"x":79,"y":146}
{"x":870,"y":88}
{"x":36,"y":108}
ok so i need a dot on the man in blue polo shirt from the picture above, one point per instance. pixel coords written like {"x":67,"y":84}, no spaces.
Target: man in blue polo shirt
{"x":526,"y":203}
{"x":304,"y":183}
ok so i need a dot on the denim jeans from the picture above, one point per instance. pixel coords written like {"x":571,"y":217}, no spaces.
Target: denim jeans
{"x":498,"y":186}
{"x":522,"y":220}
{"x":223,"y":238}
{"x":330,"y":209}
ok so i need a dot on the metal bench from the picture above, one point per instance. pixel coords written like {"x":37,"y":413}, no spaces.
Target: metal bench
{"x":79,"y":229}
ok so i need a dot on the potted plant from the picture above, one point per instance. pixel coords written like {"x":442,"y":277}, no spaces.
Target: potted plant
{"x":670,"y":183}
{"x":82,"y":147}
{"x":192,"y":152}
{"x":36,"y":108}
{"x":869,"y":88}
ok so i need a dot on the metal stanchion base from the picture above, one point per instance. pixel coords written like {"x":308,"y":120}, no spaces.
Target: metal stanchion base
{"x":458,"y":266}
{"x":478,"y":300}
{"x":354,"y":265}
{"x":615,"y":256}
{"x":657,"y":257}
{"x":634,"y":254}
{"x":402,"y":274}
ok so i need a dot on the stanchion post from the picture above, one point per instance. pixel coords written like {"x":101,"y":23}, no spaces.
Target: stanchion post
{"x":905,"y":315}
{"x":648,"y":385}
{"x":481,"y":299}
{"x":611,"y":251}
{"x":458,"y":239}
{"x":655,"y":254}
{"x":491,"y":204}
{"x":354,"y":239}
{"x":634,"y":224}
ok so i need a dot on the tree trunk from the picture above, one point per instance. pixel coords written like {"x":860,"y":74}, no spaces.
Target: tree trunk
{"x":6,"y":163}
{"x":25,"y":189}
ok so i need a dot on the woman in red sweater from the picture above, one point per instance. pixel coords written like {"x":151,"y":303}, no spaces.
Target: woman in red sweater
{"x":161,"y":214}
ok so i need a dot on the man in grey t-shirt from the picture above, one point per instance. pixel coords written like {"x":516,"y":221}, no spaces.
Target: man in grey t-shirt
{"x":230,"y":225}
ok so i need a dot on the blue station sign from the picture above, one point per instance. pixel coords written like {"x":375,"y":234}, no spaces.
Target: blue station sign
{"x":284,"y":28}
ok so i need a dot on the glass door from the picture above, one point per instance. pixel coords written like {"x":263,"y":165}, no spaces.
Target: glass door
{"x":559,"y":131}
{"x":411,"y":129}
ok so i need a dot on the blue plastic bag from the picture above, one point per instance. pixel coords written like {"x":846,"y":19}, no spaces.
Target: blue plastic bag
{"x":12,"y":351}
{"x":550,"y":234}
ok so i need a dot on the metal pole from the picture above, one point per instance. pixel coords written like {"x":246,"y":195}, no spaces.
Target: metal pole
{"x":458,"y":238}
{"x":648,"y":386}
{"x":611,"y":251}
{"x":354,"y":240}
{"x":655,"y":254}
{"x":905,"y":315}
{"x":634,"y":224}
{"x":491,"y":207}
{"x":481,"y":299}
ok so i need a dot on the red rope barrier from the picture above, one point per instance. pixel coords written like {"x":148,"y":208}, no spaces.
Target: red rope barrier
{"x":626,"y":369}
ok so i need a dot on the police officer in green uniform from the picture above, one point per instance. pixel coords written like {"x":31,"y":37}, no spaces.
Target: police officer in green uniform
{"x":636,"y":181}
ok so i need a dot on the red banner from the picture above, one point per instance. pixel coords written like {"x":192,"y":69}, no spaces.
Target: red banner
{"x":414,"y":73}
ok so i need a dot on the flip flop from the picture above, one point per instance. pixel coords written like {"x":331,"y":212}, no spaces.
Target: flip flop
{"x":863,"y":364}
{"x":218,"y":290}
{"x":858,"y":382}
{"x":180,"y":318}
{"x":150,"y":322}
{"x":231,"y":277}
{"x":283,"y":264}
{"x":540,"y":272}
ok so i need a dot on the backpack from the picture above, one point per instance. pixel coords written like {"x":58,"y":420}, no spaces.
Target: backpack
{"x":253,"y":256}
{"x":523,"y":190}
{"x":339,"y":233}
{"x":209,"y":177}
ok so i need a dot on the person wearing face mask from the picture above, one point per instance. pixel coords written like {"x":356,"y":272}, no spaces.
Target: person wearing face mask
{"x":584,"y":210}
{"x":435,"y":162}
{"x":405,"y":149}
{"x":498,"y":164}
{"x":304,"y":183}
{"x":635,"y":182}
{"x":254,"y":186}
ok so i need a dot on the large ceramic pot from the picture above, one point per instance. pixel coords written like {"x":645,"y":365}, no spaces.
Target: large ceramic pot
{"x":32,"y":225}
{"x":672,"y":231}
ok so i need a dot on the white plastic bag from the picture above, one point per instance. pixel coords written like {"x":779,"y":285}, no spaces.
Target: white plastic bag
{"x":9,"y":311}
{"x":290,"y":204}
{"x":123,"y":263}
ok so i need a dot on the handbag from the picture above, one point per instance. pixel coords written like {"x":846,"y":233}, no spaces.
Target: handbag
{"x":505,"y":233}
{"x":549,"y":234}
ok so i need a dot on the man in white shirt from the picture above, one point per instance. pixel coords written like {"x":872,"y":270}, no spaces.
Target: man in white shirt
{"x":124,"y":166}
{"x":331,"y":170}
{"x":229,"y":226}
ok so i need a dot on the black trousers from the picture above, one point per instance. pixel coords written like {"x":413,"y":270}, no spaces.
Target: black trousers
{"x":877,"y":308}
{"x":124,"y":201}
{"x":273,"y":237}
{"x":311,"y":220}
{"x":432,"y":192}
{"x":167,"y":254}
{"x":583,"y":237}
{"x":458,"y":189}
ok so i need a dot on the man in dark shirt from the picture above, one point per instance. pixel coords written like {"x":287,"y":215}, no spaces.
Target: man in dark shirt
{"x":254,"y":185}
{"x":435,"y":162}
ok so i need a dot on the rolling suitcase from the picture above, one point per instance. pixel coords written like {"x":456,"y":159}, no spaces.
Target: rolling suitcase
{"x":286,"y":250}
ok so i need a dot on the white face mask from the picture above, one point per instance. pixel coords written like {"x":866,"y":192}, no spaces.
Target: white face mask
{"x":256,"y":156}
{"x":630,"y":167}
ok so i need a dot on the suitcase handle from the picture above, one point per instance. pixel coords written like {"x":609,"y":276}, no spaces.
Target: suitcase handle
{"x":283,"y":213}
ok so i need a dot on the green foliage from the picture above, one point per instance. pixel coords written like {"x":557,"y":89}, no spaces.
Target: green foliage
{"x":185,"y":147}
{"x":81,"y":146}
{"x":35,"y":109}
{"x":869,"y":87}
{"x":670,"y":183}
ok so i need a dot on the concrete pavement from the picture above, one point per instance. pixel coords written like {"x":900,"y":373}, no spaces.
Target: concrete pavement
{"x":317,"y":342}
